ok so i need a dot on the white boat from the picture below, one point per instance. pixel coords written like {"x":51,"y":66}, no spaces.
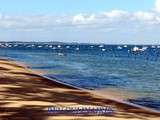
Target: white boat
{"x":144,"y":48}
{"x":59,"y":46}
{"x":119,"y":47}
{"x":60,"y":54}
{"x":39,"y":46}
{"x":50,"y":46}
{"x":125,"y":46}
{"x":103,"y":49}
{"x":77,"y":48}
{"x":67,"y":47}
{"x":153,"y":46}
{"x":101,"y":46}
{"x":136,"y":49}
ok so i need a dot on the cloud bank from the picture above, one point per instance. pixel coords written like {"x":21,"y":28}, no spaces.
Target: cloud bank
{"x":114,"y":19}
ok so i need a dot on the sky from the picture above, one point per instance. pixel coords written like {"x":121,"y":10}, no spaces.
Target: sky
{"x":83,"y":21}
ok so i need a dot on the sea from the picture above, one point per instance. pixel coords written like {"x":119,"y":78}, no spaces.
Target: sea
{"x":128,"y":69}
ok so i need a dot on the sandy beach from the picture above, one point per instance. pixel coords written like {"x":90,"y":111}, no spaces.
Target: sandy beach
{"x":26,"y":95}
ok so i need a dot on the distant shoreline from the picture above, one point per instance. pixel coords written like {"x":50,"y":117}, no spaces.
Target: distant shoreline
{"x":76,"y":43}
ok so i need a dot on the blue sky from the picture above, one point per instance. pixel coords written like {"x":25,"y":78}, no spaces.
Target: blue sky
{"x":71,"y":6}
{"x":100,"y":21}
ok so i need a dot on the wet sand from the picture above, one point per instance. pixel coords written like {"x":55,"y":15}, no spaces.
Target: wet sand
{"x":25,"y":95}
{"x":116,"y":93}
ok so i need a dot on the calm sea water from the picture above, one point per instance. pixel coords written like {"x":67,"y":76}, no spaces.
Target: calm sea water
{"x":95,"y":66}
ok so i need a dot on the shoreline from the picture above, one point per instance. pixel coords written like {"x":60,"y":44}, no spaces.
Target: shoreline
{"x":97,"y":93}
{"x":42,"y":91}
{"x":94,"y":92}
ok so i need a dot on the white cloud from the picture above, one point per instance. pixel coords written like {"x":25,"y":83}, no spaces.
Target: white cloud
{"x":78,"y":18}
{"x":82,"y":19}
{"x":157,"y":5}
{"x":111,"y":19}
{"x":115,"y":13}
{"x":145,"y":16}
{"x":115,"y":23}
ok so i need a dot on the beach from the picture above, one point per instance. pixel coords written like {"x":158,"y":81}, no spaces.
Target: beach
{"x":25,"y":94}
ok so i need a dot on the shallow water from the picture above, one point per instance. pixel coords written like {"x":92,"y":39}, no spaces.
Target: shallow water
{"x":96,"y":67}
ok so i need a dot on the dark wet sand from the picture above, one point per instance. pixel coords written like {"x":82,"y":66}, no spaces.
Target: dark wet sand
{"x":25,"y":95}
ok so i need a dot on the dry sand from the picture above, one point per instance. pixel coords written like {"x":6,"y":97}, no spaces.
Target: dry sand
{"x":25,"y":95}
